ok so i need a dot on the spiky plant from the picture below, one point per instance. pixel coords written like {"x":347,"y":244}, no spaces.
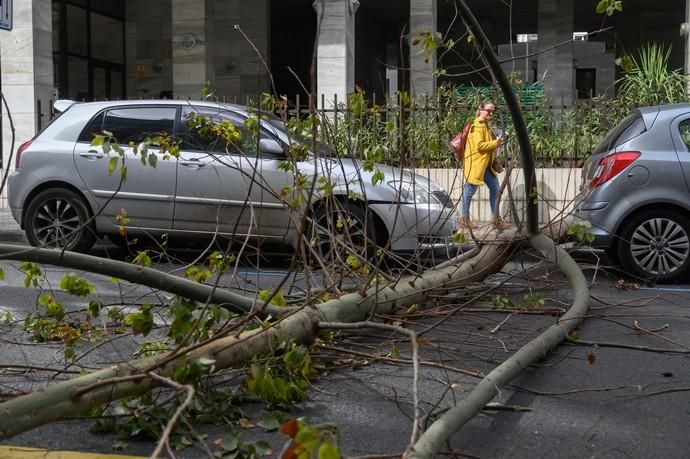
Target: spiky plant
{"x":649,"y":81}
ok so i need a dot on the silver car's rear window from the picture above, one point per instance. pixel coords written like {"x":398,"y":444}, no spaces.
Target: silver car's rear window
{"x":631,"y":126}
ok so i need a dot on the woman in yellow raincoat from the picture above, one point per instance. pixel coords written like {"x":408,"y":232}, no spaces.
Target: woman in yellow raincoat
{"x":480,"y":153}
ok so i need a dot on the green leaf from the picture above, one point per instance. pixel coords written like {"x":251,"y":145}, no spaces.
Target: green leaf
{"x":141,"y":323}
{"x":94,"y":309}
{"x":153,"y":160}
{"x":308,"y":437}
{"x":75,"y":285}
{"x":98,"y":140}
{"x":263,"y":448}
{"x":142,"y":259}
{"x":181,"y":442}
{"x":329,"y":451}
{"x":33,"y":273}
{"x":55,"y":309}
{"x":377,"y":177}
{"x":602,"y":6}
{"x":44,"y":299}
{"x":278,"y":299}
{"x":69,"y":352}
{"x":270,"y":422}
{"x":459,"y":238}
{"x":112,"y":164}
{"x":230,"y":442}
{"x":2,"y":274}
{"x":353,"y":262}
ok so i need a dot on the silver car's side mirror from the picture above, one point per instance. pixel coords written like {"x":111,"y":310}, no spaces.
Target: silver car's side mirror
{"x":271,"y":147}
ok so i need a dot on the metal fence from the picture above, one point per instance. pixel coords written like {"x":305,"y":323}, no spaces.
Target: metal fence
{"x":414,"y":132}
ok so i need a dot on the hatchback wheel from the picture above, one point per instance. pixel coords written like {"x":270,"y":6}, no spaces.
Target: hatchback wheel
{"x":656,"y":245}
{"x":58,"y":218}
{"x":343,"y":230}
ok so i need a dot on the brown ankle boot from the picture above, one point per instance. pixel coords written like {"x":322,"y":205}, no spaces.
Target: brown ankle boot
{"x":467,"y":223}
{"x":500,"y":224}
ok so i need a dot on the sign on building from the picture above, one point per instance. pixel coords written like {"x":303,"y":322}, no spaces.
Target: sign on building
{"x":6,"y":14}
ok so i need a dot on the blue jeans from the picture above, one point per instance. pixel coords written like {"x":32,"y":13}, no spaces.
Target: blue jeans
{"x":469,"y":190}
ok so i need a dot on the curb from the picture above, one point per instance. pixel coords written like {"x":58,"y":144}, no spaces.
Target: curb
{"x":13,"y":237}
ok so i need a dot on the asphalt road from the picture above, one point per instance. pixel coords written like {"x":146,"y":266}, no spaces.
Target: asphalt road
{"x":620,"y":392}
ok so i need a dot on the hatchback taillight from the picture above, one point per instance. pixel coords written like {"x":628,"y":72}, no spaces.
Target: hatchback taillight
{"x":611,"y":166}
{"x":21,"y":149}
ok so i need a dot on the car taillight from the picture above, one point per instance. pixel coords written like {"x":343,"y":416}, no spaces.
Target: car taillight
{"x":611,"y":166}
{"x":21,"y":149}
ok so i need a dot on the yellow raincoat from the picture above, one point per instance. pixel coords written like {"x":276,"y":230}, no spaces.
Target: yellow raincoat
{"x":480,"y":152}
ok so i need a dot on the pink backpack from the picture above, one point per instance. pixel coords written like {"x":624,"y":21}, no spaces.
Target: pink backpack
{"x":460,"y":141}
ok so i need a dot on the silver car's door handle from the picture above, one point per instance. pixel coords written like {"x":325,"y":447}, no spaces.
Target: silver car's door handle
{"x":192,"y":163}
{"x":91,"y":154}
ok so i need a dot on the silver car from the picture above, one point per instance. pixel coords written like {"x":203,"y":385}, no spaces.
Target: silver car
{"x":64,"y":192}
{"x":636,"y":193}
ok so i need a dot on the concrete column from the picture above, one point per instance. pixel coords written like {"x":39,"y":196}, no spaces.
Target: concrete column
{"x":148,"y":37}
{"x":192,"y":30}
{"x":240,"y":58}
{"x":422,"y":66}
{"x":26,"y":60}
{"x":556,"y":23}
{"x":335,"y":74}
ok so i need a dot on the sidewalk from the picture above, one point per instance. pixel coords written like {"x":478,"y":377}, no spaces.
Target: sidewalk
{"x":10,"y":232}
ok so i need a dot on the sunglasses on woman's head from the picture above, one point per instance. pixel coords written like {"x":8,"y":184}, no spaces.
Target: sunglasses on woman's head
{"x":487,"y":110}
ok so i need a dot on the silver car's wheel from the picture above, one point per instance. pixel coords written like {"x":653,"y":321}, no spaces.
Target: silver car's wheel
{"x":58,"y":218}
{"x":657,"y":246}
{"x":341,"y":231}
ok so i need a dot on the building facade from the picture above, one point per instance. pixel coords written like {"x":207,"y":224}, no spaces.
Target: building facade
{"x":112,"y":49}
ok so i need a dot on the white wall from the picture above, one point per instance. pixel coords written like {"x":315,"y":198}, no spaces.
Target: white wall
{"x":26,"y":60}
{"x":557,"y":189}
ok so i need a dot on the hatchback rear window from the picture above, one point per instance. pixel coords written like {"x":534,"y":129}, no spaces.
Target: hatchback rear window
{"x":630,"y":127}
{"x":95,"y":127}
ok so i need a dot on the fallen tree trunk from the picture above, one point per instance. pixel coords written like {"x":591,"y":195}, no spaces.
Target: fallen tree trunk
{"x":443,"y":428}
{"x":78,"y":395}
{"x":136,"y":274}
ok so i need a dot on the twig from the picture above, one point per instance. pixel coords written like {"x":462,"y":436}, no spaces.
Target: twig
{"x":495,"y":329}
{"x":427,"y":363}
{"x":173,"y":420}
{"x":628,"y":346}
{"x":415,"y":362}
{"x":637,"y":326}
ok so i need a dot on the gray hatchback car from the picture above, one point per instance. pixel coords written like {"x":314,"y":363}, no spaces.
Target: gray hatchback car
{"x":63,"y":194}
{"x":636,"y":193}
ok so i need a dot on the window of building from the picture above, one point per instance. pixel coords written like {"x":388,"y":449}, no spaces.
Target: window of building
{"x":89,"y":49}
{"x":586,"y":83}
